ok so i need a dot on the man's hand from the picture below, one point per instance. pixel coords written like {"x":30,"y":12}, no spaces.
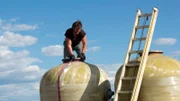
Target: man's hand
{"x":83,"y":57}
{"x":72,"y":57}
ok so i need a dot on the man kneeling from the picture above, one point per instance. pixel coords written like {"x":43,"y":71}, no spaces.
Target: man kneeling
{"x":75,"y":39}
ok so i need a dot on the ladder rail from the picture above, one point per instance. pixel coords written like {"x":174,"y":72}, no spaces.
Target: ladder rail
{"x":140,"y":74}
{"x":141,"y":65}
{"x":127,"y":55}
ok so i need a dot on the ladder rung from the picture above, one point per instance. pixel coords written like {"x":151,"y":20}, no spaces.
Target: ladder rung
{"x":125,"y":92}
{"x":138,"y":51}
{"x":145,"y":15}
{"x":132,"y":64}
{"x":134,"y":61}
{"x":140,"y":27}
{"x":129,"y":78}
{"x":137,"y":39}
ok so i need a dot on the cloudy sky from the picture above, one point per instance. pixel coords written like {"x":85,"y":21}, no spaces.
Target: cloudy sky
{"x":32,"y":33}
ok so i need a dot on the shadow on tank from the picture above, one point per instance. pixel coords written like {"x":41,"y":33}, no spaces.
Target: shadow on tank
{"x":103,"y":90}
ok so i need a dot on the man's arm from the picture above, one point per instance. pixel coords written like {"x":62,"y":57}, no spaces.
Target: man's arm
{"x":84,"y":44}
{"x":69,"y":45}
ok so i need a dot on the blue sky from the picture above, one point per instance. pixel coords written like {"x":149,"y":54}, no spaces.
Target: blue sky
{"x":32,"y":33}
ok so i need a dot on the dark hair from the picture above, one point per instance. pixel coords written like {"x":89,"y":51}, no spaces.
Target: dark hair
{"x":77,"y":23}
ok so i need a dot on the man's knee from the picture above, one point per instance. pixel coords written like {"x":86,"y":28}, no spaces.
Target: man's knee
{"x":79,"y":46}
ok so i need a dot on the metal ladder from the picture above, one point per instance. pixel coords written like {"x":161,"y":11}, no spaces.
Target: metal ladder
{"x":140,"y":65}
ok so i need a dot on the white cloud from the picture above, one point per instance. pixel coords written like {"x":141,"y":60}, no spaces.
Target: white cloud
{"x":31,"y":77}
{"x":1,"y":22}
{"x":111,"y":79}
{"x":19,"y":75}
{"x":5,"y":53}
{"x":93,"y":49}
{"x":15,"y":70}
{"x":16,"y":40}
{"x":176,"y":53}
{"x":53,"y":50}
{"x":18,"y":65}
{"x":165,"y":41}
{"x":32,"y":68}
{"x":110,"y":70}
{"x":19,"y":92}
{"x":18,"y":27}
{"x":8,"y":55}
{"x":3,"y":47}
{"x":7,"y":25}
{"x":57,"y":50}
{"x":6,"y":73}
{"x":13,"y":20}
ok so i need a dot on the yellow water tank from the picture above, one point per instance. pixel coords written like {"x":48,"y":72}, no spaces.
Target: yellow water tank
{"x":161,"y":80}
{"x":78,"y":81}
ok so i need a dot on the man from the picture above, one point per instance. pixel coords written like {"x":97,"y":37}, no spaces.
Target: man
{"x":75,"y":39}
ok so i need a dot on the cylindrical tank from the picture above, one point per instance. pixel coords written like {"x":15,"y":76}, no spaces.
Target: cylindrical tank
{"x":161,"y":80}
{"x":79,"y":81}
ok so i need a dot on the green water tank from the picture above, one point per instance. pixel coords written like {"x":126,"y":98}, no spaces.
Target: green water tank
{"x":79,"y":81}
{"x":161,"y":80}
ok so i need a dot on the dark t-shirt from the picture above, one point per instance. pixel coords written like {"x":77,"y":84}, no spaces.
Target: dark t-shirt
{"x":74,"y":39}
